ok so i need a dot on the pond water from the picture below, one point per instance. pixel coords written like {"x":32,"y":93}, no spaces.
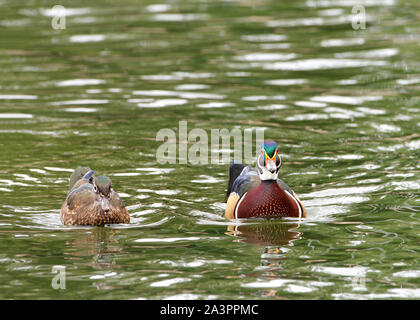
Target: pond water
{"x":341,"y":98}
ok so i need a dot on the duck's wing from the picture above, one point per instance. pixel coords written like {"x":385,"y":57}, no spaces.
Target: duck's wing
{"x":235,"y":170}
{"x":285,"y":187}
{"x":81,"y":197}
{"x":247,"y":180}
{"x":117,"y":208}
{"x":80,"y":205}
{"x":77,"y":174}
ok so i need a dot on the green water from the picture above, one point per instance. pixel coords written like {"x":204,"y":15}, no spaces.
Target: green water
{"x":342,"y":103}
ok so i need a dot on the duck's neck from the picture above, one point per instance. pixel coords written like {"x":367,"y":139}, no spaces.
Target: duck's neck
{"x":268,"y":182}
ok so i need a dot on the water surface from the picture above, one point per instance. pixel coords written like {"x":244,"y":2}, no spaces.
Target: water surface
{"x":342,"y":103}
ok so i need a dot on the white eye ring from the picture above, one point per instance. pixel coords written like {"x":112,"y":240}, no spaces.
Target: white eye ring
{"x":279,"y":163}
{"x":95,"y":188}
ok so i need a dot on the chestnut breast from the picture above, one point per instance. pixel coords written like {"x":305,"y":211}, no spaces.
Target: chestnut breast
{"x":267,"y":200}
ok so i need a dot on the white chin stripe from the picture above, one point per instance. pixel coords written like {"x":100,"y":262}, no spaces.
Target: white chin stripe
{"x":267,"y":175}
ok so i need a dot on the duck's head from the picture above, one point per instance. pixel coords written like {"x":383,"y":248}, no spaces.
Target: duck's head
{"x":269,"y":161}
{"x":103,"y":186}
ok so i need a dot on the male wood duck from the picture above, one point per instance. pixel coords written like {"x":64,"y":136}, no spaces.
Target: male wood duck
{"x":258,"y":192}
{"x":92,"y":201}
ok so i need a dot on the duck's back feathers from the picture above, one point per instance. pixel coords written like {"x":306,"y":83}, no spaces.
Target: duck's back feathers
{"x":247,"y":180}
{"x":77,"y":174}
{"x":82,"y":196}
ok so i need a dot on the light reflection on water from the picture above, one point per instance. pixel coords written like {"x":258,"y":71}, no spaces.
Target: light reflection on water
{"x":347,"y":125}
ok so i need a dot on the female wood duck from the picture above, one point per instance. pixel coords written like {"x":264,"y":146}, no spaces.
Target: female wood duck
{"x":259,"y":193}
{"x":92,"y":201}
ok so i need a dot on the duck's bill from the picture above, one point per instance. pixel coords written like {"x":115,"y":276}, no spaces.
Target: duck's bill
{"x":105,"y":204}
